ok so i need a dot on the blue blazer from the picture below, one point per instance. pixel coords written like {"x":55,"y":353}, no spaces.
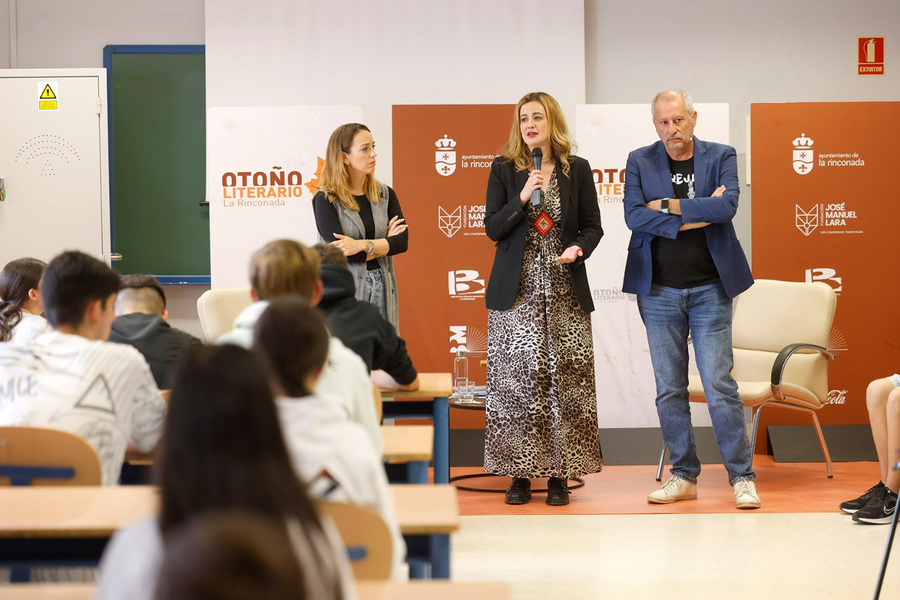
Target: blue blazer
{"x":505,"y":224}
{"x":648,"y":177}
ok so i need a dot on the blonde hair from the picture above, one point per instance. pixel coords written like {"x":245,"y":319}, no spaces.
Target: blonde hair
{"x":561,"y":142}
{"x":335,"y":178}
{"x":284,"y":267}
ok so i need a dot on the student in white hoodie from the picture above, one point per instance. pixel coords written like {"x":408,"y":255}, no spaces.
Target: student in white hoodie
{"x":71,"y":378}
{"x":331,"y":454}
{"x":284,"y":267}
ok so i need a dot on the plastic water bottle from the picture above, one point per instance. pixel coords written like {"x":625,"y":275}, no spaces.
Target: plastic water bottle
{"x":461,"y":383}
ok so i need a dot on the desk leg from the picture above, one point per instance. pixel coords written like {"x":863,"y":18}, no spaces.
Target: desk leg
{"x":417,"y":471}
{"x":428,"y":555}
{"x":439,"y":548}
{"x":418,"y":570}
{"x":441,"y":441}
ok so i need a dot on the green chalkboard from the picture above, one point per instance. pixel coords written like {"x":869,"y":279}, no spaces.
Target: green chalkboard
{"x":157,"y":130}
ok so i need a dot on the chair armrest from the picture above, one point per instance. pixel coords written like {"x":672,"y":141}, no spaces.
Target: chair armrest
{"x":781,"y":362}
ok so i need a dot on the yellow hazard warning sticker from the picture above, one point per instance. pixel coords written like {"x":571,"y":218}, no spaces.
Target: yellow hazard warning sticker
{"x":48,"y":95}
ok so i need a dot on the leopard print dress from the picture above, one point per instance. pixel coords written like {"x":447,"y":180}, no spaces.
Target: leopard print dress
{"x":541,"y":410}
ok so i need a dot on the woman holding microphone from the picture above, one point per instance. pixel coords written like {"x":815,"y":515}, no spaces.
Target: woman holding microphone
{"x":541,"y":396}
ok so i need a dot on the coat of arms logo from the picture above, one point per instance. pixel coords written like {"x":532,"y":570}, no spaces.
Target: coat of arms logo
{"x":803,"y":154}
{"x":445,"y":157}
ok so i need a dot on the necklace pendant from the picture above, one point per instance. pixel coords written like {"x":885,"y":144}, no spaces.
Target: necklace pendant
{"x":543,"y":224}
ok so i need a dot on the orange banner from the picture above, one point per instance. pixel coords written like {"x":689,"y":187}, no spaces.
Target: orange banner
{"x":824,"y":209}
{"x":442,"y":156}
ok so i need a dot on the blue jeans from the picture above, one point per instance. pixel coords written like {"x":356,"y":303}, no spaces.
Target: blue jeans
{"x":704,"y":312}
{"x":373,"y":291}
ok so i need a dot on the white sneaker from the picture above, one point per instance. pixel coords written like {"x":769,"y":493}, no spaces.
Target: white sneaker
{"x":673,"y":490}
{"x":745,"y":495}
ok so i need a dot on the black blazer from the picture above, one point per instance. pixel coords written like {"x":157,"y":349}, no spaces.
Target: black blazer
{"x":505,"y":223}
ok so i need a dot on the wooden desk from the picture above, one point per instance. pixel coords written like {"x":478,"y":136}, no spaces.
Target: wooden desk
{"x":414,"y":445}
{"x":425,"y":509}
{"x":427,"y":515}
{"x":73,"y":524}
{"x":65,"y":526}
{"x":428,"y":402}
{"x":433,"y":590}
{"x":50,"y":591}
{"x":73,"y":512}
{"x":365,"y":590}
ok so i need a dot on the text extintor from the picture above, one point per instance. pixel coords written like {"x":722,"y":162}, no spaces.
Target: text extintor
{"x":870,"y":52}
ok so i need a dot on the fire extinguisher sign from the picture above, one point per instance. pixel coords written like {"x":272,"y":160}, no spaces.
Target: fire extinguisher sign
{"x":870,"y":51}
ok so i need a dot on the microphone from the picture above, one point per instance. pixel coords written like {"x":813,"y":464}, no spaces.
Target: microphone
{"x":536,"y":155}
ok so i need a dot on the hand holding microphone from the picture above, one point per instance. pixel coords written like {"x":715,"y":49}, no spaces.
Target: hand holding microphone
{"x":532,"y":186}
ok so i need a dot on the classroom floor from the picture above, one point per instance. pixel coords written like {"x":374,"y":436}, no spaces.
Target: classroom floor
{"x":610,"y":543}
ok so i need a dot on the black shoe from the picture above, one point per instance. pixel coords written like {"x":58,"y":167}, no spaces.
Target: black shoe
{"x":879,"y":510}
{"x":519,"y":491}
{"x":851,"y":506}
{"x":557,"y":492}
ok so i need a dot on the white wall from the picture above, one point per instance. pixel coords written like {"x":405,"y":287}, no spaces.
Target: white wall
{"x":72,"y":33}
{"x":376,"y":54}
{"x":738,"y":52}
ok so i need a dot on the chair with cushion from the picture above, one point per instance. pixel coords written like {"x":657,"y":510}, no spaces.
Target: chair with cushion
{"x":217,"y":310}
{"x":780,"y":337}
{"x":43,"y":456}
{"x":366,"y":536}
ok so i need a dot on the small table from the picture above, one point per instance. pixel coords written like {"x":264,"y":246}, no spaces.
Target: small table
{"x":428,"y":402}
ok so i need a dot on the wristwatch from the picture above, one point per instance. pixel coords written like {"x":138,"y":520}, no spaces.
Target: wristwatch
{"x":664,"y":206}
{"x":370,"y":247}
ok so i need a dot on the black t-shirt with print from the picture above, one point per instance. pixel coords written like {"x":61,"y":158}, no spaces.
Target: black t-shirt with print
{"x":685,"y":261}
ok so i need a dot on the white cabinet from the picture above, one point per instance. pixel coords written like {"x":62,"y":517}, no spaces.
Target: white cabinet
{"x":54,"y":161}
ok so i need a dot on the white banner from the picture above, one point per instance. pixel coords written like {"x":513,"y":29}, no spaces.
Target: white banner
{"x":263,"y":165}
{"x":606,"y":133}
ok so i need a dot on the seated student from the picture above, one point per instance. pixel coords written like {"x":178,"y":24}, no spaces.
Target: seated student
{"x":284,"y":267}
{"x":877,"y":504}
{"x":231,"y":555}
{"x":223,"y":450}
{"x":21,"y":302}
{"x":71,"y":378}
{"x":332,"y":455}
{"x":360,"y":324}
{"x":142,"y":322}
